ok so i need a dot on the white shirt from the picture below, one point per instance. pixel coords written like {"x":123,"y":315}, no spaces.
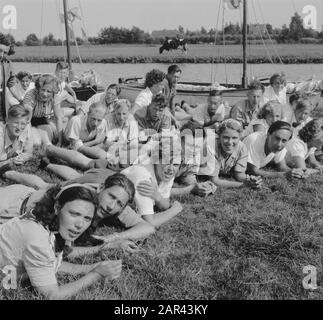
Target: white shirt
{"x":255,"y":144}
{"x":139,"y":173}
{"x":29,"y":247}
{"x":297,"y":148}
{"x":143,"y":99}
{"x":270,"y":95}
{"x":76,"y":131}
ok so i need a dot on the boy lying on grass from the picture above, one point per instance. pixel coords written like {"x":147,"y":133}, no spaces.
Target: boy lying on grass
{"x":269,"y":149}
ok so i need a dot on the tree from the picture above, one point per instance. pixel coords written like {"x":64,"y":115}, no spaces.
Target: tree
{"x":296,"y":28}
{"x":32,"y":40}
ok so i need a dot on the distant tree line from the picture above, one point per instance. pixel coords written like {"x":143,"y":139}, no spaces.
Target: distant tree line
{"x":231,"y":34}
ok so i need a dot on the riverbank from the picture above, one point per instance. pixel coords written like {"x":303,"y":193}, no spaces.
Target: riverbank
{"x":122,"y":53}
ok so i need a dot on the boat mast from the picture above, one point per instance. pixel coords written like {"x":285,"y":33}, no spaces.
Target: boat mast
{"x":244,"y":46}
{"x":67,"y":37}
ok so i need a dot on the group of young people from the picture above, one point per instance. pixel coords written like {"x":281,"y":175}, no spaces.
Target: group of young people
{"x":121,"y":162}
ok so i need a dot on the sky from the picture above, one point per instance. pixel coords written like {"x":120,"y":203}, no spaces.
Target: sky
{"x":42,"y":16}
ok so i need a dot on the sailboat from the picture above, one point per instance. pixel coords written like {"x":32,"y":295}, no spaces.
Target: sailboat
{"x":86,"y":90}
{"x":197,"y":92}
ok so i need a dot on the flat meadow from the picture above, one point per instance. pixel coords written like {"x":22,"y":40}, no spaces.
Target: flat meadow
{"x":203,"y":53}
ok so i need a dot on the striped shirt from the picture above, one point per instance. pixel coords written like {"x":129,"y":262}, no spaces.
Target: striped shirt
{"x":40,"y":109}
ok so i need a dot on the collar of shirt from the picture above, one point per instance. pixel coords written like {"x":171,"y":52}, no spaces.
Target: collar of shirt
{"x":8,"y":142}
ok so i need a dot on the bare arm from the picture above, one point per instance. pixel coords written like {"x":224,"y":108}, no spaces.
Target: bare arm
{"x":106,"y":269}
{"x":158,"y":219}
{"x":59,"y":121}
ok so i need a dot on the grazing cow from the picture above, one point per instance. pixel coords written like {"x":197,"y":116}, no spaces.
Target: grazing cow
{"x":173,"y":44}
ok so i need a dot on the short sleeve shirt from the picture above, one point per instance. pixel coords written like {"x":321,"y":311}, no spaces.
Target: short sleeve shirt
{"x":76,"y":131}
{"x":29,"y":247}
{"x":21,"y":147}
{"x":40,"y":109}
{"x":214,"y":163}
{"x":139,"y":173}
{"x":255,"y":144}
{"x":298,"y":148}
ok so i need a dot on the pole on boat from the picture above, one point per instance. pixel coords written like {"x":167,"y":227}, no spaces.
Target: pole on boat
{"x":67,"y":39}
{"x":244,"y":46}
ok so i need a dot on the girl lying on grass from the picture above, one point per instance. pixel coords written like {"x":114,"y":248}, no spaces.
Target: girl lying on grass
{"x":33,"y":243}
{"x":227,"y":156}
{"x":115,"y":192}
{"x":301,"y":149}
{"x":266,"y":149}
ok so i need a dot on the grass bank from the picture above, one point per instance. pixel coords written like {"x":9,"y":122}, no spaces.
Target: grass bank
{"x":288,"y":54}
{"x":236,"y":244}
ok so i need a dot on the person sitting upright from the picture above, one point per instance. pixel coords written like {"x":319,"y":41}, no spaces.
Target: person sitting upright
{"x":246,"y":110}
{"x":85,"y":133}
{"x":154,"y":84}
{"x":108,"y":98}
{"x":173,"y":74}
{"x":277,"y":90}
{"x":16,"y":144}
{"x":41,"y":102}
{"x":153,"y":118}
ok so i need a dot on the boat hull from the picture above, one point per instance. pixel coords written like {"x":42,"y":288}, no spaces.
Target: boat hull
{"x":130,"y":89}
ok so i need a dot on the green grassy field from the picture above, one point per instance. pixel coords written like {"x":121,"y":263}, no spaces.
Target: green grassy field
{"x":298,"y":53}
{"x":236,"y":244}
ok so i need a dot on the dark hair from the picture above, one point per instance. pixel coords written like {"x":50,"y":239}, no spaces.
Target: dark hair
{"x":311,"y":130}
{"x":293,"y":97}
{"x":303,"y":104}
{"x":154,"y":76}
{"x":22,"y":74}
{"x":17,"y":111}
{"x":279,"y":125}
{"x":173,"y":69}
{"x":47,"y":80}
{"x":160,"y":100}
{"x":256,"y":85}
{"x":214,"y":93}
{"x":62,"y":65}
{"x":114,"y":86}
{"x":276,"y":76}
{"x":119,"y":179}
{"x":44,"y":209}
